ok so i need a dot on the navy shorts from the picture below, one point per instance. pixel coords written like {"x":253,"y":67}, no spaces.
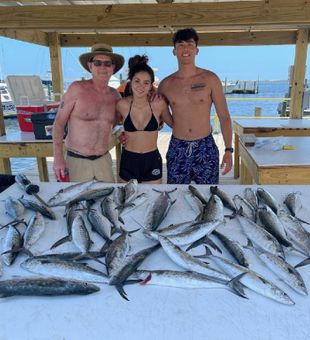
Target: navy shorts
{"x":196,"y":161}
{"x":144,"y":167}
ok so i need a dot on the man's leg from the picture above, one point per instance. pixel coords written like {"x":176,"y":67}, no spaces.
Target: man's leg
{"x":206,"y":163}
{"x":178,"y":164}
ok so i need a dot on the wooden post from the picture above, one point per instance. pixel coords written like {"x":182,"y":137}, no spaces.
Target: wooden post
{"x":2,"y":126}
{"x":299,"y":74}
{"x":56,"y":67}
{"x":258,"y":112}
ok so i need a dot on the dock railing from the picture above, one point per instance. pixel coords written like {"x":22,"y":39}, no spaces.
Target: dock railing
{"x":256,"y":114}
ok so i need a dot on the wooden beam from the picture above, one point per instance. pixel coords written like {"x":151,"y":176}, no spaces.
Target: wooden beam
{"x":30,"y":36}
{"x":160,"y":39}
{"x":96,"y":17}
{"x":299,"y":74}
{"x":56,"y":65}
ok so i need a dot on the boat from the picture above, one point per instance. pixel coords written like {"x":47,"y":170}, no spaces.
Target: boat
{"x":229,"y":86}
{"x":8,"y":106}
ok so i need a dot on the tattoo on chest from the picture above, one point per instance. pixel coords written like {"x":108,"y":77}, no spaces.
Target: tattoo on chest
{"x":197,"y":86}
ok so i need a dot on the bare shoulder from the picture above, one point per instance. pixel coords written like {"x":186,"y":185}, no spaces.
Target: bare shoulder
{"x":165,"y":83}
{"x":122,"y":105}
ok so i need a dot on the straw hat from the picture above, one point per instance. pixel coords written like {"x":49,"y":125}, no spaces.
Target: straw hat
{"x":102,"y":49}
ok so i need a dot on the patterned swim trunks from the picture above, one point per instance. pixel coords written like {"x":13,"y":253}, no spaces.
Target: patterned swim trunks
{"x":196,"y":161}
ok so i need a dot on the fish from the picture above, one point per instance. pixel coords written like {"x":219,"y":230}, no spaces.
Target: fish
{"x":227,"y":201}
{"x":295,"y":232}
{"x":234,"y":248}
{"x":13,"y":207}
{"x":247,"y":209}
{"x":213,"y":210}
{"x":175,"y":228}
{"x":65,"y":269}
{"x":12,"y":244}
{"x":284,"y":270}
{"x":67,"y":193}
{"x":193,"y":202}
{"x":185,"y":260}
{"x":251,"y":197}
{"x":295,"y":206}
{"x":253,"y":280}
{"x":91,"y":194}
{"x":100,"y":224}
{"x":80,"y":235}
{"x":34,"y":230}
{"x":259,"y":237}
{"x":181,"y":279}
{"x":45,"y":287}
{"x":131,"y":190}
{"x":42,"y":209}
{"x":267,"y":198}
{"x":195,"y":232}
{"x":129,"y":267}
{"x":195,"y":192}
{"x":273,"y":225}
{"x":157,"y":211}
{"x":110,"y":211}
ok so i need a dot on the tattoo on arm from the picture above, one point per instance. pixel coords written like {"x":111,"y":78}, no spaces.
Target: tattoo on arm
{"x":198,"y":86}
{"x":62,"y":104}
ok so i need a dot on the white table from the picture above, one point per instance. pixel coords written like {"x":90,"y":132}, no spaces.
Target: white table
{"x":267,"y":163}
{"x":152,"y":312}
{"x":267,"y":127}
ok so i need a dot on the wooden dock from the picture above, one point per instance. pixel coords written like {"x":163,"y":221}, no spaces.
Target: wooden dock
{"x":163,"y":143}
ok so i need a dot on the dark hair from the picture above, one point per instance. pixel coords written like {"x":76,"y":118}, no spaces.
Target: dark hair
{"x":185,"y":35}
{"x":138,"y":63}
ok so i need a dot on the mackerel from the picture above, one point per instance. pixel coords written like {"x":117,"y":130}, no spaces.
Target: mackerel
{"x":110,"y":211}
{"x":213,"y":210}
{"x":185,"y":260}
{"x":267,"y":198}
{"x":43,"y":209}
{"x":247,"y":208}
{"x":295,"y":232}
{"x":91,"y":194}
{"x":131,"y":190}
{"x":66,"y":194}
{"x":234,"y":248}
{"x":273,"y":225}
{"x":251,"y":197}
{"x":260,"y":237}
{"x":193,"y":233}
{"x":284,"y":270}
{"x":45,"y":287}
{"x":157,"y":211}
{"x":254,"y":281}
{"x":12,"y":244}
{"x":227,"y":201}
{"x":195,"y":192}
{"x":63,"y":269}
{"x":13,"y":207}
{"x":175,"y":228}
{"x":193,"y":202}
{"x":100,"y":224}
{"x":80,"y":235}
{"x":34,"y":230}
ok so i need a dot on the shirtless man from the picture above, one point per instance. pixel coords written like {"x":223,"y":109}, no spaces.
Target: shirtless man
{"x":190,"y":92}
{"x":88,"y":109}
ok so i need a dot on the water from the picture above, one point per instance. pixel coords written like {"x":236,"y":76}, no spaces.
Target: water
{"x":236,"y":108}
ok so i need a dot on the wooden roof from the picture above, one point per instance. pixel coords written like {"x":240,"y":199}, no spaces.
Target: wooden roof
{"x":151,"y":23}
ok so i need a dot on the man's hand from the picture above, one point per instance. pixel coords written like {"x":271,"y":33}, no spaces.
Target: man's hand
{"x":123,"y":138}
{"x":226,"y":162}
{"x":59,"y":169}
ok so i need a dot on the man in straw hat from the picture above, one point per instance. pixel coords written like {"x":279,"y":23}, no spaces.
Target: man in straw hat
{"x":88,"y":109}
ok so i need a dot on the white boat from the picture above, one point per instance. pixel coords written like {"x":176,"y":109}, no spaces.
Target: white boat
{"x":8,"y":106}
{"x":229,"y":86}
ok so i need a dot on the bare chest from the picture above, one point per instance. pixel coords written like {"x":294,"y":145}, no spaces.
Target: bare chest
{"x":93,"y":106}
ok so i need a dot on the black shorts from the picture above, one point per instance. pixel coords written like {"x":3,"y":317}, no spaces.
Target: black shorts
{"x":144,"y":167}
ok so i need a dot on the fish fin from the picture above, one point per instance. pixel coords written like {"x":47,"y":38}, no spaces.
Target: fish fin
{"x":132,"y":282}
{"x":121,"y":292}
{"x":302,"y":263}
{"x":302,"y":221}
{"x":212,"y":244}
{"x":67,"y":238}
{"x":237,"y":286}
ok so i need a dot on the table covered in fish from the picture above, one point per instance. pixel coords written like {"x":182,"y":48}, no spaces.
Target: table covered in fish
{"x":102,"y":260}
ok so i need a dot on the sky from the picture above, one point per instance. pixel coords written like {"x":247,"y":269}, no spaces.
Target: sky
{"x":233,"y":63}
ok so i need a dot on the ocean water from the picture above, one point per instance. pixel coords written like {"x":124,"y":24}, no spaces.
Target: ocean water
{"x":237,"y":108}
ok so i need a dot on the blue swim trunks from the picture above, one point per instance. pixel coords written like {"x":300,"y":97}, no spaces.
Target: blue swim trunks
{"x":196,"y":161}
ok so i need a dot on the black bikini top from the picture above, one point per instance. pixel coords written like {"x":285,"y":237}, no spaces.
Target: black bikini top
{"x":152,"y":125}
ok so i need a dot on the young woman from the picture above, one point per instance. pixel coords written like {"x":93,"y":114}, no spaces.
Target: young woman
{"x":140,"y":157}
